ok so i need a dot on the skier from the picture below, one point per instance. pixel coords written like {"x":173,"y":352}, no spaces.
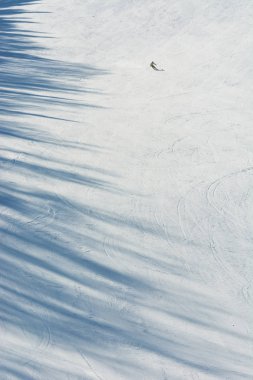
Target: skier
{"x":154,"y":66}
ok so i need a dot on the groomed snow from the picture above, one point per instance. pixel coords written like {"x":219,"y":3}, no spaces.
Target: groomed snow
{"x":126,"y":199}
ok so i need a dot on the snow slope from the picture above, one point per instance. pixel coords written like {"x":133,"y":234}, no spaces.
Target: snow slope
{"x":126,"y":200}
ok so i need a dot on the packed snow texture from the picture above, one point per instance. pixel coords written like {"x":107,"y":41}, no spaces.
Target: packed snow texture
{"x":126,"y":199}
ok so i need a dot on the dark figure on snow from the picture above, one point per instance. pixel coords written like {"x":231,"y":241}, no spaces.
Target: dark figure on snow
{"x":153,"y":65}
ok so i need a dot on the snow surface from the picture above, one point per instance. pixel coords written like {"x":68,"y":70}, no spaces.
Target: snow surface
{"x":126,"y":195}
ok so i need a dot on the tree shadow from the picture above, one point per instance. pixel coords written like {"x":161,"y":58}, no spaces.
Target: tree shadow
{"x":71,"y":276}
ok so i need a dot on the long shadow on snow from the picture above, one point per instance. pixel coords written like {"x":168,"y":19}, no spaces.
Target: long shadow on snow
{"x":59,"y":285}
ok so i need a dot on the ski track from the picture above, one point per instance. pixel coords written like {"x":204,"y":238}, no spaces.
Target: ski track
{"x":42,"y":346}
{"x":98,"y":377}
{"x":183,"y":217}
{"x":213,"y":189}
